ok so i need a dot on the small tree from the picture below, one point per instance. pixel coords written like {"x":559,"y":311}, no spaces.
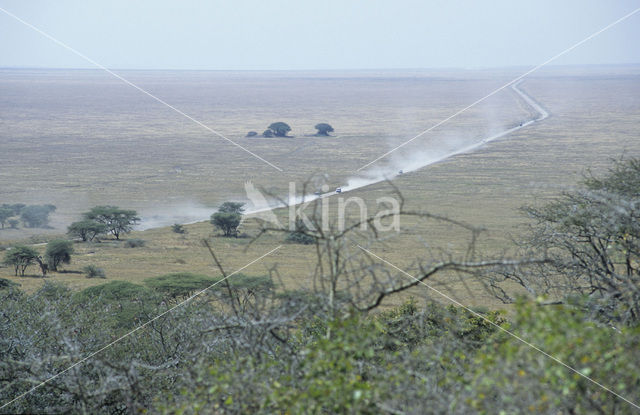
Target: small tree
{"x":227,"y":222}
{"x":13,"y":223}
{"x":280,"y":129}
{"x":20,"y":257}
{"x":86,"y":229}
{"x":267,"y":134}
{"x":36,"y":216}
{"x":117,"y":221}
{"x":58,"y":252}
{"x":323,"y":129}
{"x":252,"y":134}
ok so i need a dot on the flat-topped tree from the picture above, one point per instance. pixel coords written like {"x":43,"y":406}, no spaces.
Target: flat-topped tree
{"x":86,"y":229}
{"x":20,"y":257}
{"x":323,"y":129}
{"x":117,"y":221}
{"x":280,"y":129}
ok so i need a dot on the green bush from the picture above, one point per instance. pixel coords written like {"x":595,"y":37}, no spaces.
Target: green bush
{"x":115,"y":290}
{"x":180,"y":284}
{"x":5,"y":283}
{"x":177,"y":228}
{"x":92,"y":271}
{"x":135,"y":243}
{"x":300,"y":238}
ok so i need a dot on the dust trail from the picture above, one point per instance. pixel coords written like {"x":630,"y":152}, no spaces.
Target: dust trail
{"x":191,"y":213}
{"x":432,"y":156}
{"x":422,"y":159}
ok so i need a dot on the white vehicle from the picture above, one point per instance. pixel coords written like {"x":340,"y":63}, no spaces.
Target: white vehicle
{"x":339,"y":190}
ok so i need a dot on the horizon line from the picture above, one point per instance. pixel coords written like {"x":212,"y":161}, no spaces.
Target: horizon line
{"x":435,"y":68}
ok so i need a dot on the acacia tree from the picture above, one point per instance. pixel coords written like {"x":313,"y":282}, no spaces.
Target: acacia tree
{"x":323,"y":129}
{"x":228,"y":218}
{"x":280,"y":129}
{"x":20,"y":257}
{"x":117,"y":221}
{"x":86,"y":229}
{"x":58,"y":252}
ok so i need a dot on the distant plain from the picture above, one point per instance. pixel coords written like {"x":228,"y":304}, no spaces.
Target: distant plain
{"x":77,"y":139}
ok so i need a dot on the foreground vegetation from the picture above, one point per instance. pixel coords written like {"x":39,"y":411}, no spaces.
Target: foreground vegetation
{"x":246,"y":344}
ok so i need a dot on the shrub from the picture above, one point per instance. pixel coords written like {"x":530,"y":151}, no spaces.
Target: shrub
{"x":115,"y":291}
{"x":93,"y":271}
{"x":135,"y":243}
{"x":180,"y":284}
{"x":177,"y":228}
{"x":300,"y":238}
{"x":5,"y":283}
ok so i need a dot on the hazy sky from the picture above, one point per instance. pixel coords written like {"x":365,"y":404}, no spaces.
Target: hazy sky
{"x":324,"y":34}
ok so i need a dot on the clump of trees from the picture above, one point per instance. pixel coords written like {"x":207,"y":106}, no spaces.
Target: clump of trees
{"x":36,"y":216}
{"x":57,"y":252}
{"x":116,"y":220}
{"x":32,"y":216}
{"x":281,"y":129}
{"x":103,"y":220}
{"x":228,"y":218}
